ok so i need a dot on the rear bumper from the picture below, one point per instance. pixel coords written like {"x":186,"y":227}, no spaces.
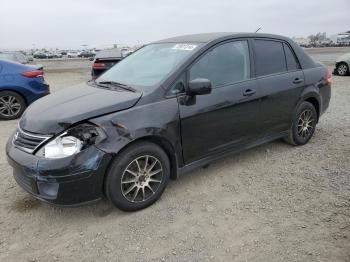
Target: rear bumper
{"x":68,"y":181}
{"x":97,"y":72}
{"x":36,"y":90}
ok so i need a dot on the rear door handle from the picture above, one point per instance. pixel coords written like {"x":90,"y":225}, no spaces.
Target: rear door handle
{"x":249,"y":92}
{"x":297,"y":81}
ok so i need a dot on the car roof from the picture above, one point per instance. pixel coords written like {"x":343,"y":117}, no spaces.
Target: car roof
{"x":209,"y":37}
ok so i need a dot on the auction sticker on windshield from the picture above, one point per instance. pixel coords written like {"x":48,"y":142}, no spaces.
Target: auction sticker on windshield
{"x":187,"y":47}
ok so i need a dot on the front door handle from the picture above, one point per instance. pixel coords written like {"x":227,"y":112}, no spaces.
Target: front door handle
{"x":297,"y":80}
{"x":249,"y":92}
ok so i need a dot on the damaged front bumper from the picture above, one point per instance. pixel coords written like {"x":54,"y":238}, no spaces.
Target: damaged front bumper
{"x":73,"y":180}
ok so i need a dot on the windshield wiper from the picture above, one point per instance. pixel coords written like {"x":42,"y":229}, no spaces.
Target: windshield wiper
{"x":117,"y":84}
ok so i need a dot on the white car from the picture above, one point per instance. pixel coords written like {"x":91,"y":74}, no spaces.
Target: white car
{"x":71,"y":54}
{"x":342,"y":65}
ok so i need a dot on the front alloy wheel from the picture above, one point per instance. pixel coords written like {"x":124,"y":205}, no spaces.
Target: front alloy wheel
{"x":138,"y":176}
{"x":141,"y":178}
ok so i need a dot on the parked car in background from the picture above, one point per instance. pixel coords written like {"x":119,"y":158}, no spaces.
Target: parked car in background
{"x":86,"y":54}
{"x":30,"y":57}
{"x":50,"y":55}
{"x":72,"y":54}
{"x":20,"y":85}
{"x":342,"y":65}
{"x":57,"y":55}
{"x":172,"y":106}
{"x":40,"y":55}
{"x":125,"y":52}
{"x":15,"y":56}
{"x":104,"y":60}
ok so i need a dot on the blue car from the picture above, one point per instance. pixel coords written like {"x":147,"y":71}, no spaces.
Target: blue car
{"x":20,"y":85}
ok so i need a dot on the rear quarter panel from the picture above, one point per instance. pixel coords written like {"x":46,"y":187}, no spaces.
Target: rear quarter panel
{"x":317,"y":87}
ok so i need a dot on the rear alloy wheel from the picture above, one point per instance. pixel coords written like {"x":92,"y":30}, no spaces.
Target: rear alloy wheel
{"x":138,"y":176}
{"x":342,"y":69}
{"x":304,"y":124}
{"x":12,"y":105}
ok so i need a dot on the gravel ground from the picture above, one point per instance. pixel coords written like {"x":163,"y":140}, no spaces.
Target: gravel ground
{"x":271,"y":203}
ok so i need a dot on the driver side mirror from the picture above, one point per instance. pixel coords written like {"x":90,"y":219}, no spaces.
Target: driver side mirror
{"x":199,"y":86}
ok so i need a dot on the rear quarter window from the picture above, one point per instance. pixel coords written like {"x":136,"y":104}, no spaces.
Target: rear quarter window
{"x":269,"y":57}
{"x":292,"y":62}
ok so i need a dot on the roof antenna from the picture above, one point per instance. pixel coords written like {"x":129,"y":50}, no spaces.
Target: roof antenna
{"x":257,"y":30}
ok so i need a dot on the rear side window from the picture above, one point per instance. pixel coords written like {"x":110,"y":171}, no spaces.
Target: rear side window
{"x":225,"y":64}
{"x":269,"y":57}
{"x":292,"y":63}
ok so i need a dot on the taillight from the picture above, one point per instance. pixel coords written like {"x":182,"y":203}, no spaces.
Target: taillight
{"x":328,"y":77}
{"x":32,"y":74}
{"x":98,"y":65}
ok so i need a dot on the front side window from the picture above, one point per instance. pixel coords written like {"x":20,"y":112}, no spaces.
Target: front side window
{"x":149,"y":65}
{"x":269,"y":57}
{"x":225,"y":64}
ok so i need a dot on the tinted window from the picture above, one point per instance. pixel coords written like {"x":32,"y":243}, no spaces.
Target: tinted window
{"x":269,"y":57}
{"x":225,"y":64}
{"x":292,"y":63}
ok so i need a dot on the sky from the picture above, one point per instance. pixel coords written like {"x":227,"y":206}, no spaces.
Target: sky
{"x":101,"y":23}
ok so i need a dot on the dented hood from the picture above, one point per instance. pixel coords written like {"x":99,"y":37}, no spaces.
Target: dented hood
{"x":54,"y":113}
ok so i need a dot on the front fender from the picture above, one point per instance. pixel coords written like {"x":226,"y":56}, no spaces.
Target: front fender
{"x":158,"y":120}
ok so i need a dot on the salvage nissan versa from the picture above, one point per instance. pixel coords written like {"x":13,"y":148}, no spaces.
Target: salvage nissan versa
{"x":171,"y":106}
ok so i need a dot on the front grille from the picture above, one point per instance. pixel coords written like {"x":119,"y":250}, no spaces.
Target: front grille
{"x":27,"y":141}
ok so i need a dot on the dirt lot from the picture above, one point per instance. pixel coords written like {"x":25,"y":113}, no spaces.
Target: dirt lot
{"x":271,"y":203}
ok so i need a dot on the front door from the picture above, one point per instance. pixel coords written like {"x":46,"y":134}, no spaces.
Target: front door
{"x":227,"y":117}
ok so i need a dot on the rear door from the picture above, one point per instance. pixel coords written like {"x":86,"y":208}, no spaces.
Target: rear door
{"x":280,"y":80}
{"x":227,"y":117}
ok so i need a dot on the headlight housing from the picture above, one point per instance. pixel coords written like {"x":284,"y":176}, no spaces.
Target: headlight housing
{"x":71,"y":142}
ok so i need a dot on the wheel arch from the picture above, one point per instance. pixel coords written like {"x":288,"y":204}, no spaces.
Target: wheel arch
{"x":314,"y":101}
{"x":312,"y":95}
{"x":342,"y":62}
{"x":164,"y":144}
{"x":15,"y":91}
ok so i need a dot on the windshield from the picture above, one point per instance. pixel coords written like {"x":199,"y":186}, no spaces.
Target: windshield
{"x":149,"y":65}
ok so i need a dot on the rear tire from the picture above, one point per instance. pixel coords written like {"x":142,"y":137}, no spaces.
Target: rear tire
{"x":303,"y":124}
{"x":342,"y":69}
{"x":12,"y":105}
{"x":138,"y":176}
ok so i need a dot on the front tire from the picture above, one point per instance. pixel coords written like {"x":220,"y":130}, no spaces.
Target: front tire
{"x":12,"y":105}
{"x":138,"y":176}
{"x":342,"y":69}
{"x":303,"y":124}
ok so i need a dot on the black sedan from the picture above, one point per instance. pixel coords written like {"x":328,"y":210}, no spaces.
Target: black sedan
{"x":172,"y":106}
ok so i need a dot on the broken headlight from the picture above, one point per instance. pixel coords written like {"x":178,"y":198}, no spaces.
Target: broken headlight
{"x":71,"y":142}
